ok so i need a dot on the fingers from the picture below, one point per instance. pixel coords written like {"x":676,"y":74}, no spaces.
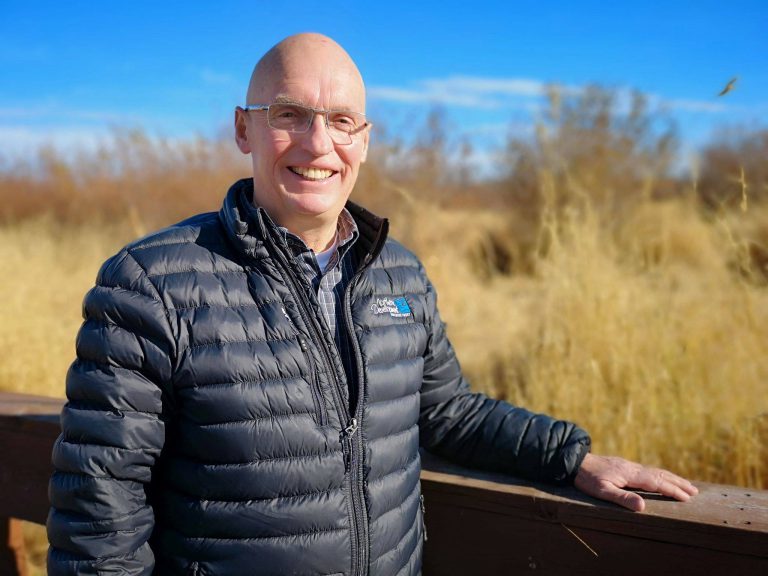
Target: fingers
{"x":662,"y":481}
{"x":612,"y":493}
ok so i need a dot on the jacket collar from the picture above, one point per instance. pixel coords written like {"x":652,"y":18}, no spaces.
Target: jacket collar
{"x":248,"y":226}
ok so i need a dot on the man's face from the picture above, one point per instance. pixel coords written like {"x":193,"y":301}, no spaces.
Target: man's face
{"x":284,"y":182}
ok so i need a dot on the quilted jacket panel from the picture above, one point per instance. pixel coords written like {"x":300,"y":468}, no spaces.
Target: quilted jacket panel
{"x":208,"y":429}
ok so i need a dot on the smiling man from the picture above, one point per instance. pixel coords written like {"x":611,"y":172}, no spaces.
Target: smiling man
{"x":252,"y":386}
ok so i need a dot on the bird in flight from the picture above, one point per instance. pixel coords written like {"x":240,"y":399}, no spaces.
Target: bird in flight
{"x":729,"y":86}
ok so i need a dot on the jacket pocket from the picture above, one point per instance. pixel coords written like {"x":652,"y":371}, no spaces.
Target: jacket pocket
{"x":314,"y":384}
{"x":422,"y":515}
{"x":321,"y":412}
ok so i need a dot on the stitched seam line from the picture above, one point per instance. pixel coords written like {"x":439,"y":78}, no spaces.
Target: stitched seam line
{"x":393,"y":472}
{"x":392,"y":400}
{"x":256,"y":419}
{"x":400,"y":325}
{"x":394,"y":434}
{"x":401,"y":504}
{"x":270,"y":381}
{"x":386,"y":266}
{"x":116,"y":286}
{"x":98,"y":363}
{"x":396,"y":547}
{"x":186,"y":270}
{"x":392,"y":295}
{"x":64,"y":440}
{"x":157,"y":244}
{"x":410,"y":558}
{"x":399,"y":360}
{"x":252,"y":500}
{"x":247,"y":340}
{"x":94,"y":477}
{"x":75,"y":404}
{"x":263,"y":460}
{"x":280,"y":537}
{"x":261,"y":304}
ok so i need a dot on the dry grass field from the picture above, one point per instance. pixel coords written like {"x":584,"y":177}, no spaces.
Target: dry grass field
{"x":647,"y":324}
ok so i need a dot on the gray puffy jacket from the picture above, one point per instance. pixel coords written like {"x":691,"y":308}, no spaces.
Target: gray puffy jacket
{"x":208,"y":429}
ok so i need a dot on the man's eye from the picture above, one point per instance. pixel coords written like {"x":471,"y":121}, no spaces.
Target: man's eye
{"x":342,"y":121}
{"x":286,"y":113}
{"x":289,"y":114}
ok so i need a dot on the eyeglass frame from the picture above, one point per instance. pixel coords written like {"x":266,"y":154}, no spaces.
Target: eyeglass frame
{"x":315,"y":112}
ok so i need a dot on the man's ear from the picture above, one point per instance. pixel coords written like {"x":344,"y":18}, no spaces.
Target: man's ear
{"x":241,"y":130}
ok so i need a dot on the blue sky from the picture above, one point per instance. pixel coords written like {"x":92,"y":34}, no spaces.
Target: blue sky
{"x":70,"y":71}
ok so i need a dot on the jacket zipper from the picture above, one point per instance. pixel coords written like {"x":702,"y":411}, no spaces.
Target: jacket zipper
{"x":314,"y":386}
{"x":356,"y":441}
{"x":423,"y":516}
{"x":347,"y":433}
{"x":351,"y":441}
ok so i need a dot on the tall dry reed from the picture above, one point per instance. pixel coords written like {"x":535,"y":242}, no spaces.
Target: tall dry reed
{"x":644,"y":320}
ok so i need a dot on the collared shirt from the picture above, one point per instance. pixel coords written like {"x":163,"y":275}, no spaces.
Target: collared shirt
{"x":329,"y":284}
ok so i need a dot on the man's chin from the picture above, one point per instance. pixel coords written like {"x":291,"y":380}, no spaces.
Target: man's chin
{"x":312,"y":204}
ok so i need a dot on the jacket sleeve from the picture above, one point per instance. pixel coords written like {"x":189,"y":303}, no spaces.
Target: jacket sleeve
{"x":112,"y":428}
{"x":476,"y":431}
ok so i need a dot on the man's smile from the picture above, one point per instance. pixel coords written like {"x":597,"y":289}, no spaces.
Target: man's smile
{"x":312,"y":173}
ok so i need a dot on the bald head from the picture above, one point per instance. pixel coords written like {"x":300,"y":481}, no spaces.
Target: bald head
{"x":308,"y":52}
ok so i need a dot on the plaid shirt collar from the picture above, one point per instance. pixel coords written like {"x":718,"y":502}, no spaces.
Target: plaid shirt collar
{"x":346,"y":235}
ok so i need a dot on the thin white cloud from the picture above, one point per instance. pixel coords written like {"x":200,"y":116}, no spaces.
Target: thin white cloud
{"x":59,"y":113}
{"x":696,"y":106}
{"x":18,"y":142}
{"x":416,"y":96}
{"x":215,"y":78}
{"x":524,"y":87}
{"x":520,"y":93}
{"x":469,"y":91}
{"x":501,"y":129}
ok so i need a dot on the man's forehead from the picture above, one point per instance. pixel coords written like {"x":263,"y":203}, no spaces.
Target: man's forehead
{"x":327,"y":88}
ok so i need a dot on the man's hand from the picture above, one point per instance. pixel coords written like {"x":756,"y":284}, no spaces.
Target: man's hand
{"x":605,"y":477}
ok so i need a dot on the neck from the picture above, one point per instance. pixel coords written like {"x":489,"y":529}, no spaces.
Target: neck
{"x":318,"y":234}
{"x":319,"y":240}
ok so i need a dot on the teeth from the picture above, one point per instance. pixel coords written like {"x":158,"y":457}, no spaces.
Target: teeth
{"x":312,"y":173}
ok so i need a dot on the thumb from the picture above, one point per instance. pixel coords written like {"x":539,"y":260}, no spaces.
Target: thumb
{"x":623,"y":498}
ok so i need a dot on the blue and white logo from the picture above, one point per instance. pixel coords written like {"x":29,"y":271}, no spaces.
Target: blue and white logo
{"x":397,"y":308}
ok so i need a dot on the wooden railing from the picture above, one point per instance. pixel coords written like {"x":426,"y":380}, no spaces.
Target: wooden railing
{"x":477,"y":523}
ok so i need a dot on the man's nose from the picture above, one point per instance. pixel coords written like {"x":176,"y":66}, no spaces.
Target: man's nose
{"x":317,"y":139}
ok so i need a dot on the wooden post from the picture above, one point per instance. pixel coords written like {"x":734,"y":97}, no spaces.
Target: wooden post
{"x":28,"y":427}
{"x":13,"y":560}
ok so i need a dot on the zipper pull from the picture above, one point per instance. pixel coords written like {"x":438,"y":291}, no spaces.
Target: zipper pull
{"x":423,"y":516}
{"x":345,"y":436}
{"x":351,"y":429}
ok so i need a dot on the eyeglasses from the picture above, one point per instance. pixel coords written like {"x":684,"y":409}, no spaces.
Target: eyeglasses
{"x":297,"y":119}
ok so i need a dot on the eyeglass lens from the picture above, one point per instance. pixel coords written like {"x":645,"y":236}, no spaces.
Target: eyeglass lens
{"x":295,"y":118}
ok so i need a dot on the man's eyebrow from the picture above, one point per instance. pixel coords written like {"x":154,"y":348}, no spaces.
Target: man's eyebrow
{"x":283,"y":99}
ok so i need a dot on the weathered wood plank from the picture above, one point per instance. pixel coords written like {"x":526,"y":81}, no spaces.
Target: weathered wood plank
{"x":488,"y":523}
{"x":484,"y":523}
{"x":29,"y":426}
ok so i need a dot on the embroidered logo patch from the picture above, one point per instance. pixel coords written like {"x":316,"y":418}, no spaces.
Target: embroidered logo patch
{"x":397,"y":308}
